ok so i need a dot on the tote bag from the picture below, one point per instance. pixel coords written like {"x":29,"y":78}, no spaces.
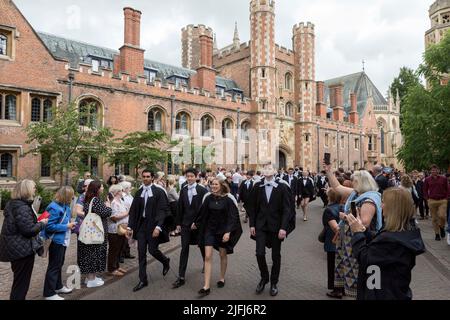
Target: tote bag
{"x":91,"y":230}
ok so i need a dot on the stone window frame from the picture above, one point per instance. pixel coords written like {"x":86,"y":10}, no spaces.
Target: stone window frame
{"x":357,"y":144}
{"x":245,"y":126}
{"x":327,"y":140}
{"x":99,"y":111}
{"x":288,"y":81}
{"x":225,"y":129}
{"x":207,"y":126}
{"x":179,"y":121}
{"x":155,"y":110}
{"x":45,"y":109}
{"x":10,"y":34}
{"x":4,"y":111}
{"x":14,"y":153}
{"x":289,"y":110}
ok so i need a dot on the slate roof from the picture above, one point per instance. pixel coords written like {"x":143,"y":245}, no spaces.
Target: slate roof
{"x":80,"y":52}
{"x":360,"y":84}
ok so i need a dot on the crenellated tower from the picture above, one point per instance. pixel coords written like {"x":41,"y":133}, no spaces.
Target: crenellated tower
{"x":263,"y":85}
{"x":303,"y":42}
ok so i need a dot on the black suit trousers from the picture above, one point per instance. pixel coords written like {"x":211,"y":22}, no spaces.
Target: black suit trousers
{"x":184,"y":255}
{"x":22,"y":269}
{"x":146,"y":241}
{"x":262,"y":238}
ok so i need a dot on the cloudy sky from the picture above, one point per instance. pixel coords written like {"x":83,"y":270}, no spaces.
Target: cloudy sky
{"x":387,"y":34}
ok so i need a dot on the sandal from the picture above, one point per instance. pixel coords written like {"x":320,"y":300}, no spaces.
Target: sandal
{"x":117,"y":273}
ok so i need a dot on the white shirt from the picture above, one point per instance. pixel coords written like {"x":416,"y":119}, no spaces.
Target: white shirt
{"x":269,"y":185}
{"x":290,"y":180}
{"x":221,"y":176}
{"x":247,"y":183}
{"x":237,"y":178}
{"x":117,"y":207}
{"x":192,"y":191}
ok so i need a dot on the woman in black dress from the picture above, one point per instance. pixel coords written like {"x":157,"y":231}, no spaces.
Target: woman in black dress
{"x":92,"y":257}
{"x":219,"y":228}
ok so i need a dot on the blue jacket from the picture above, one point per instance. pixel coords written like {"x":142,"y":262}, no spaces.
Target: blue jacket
{"x":57,"y":226}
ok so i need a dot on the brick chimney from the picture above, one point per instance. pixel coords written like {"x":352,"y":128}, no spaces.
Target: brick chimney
{"x":206,"y":75}
{"x":131,"y":58}
{"x":337,"y":102}
{"x":321,"y":108}
{"x":354,"y":118}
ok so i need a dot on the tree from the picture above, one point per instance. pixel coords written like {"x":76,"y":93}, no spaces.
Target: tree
{"x":140,"y":150}
{"x":426,"y":127}
{"x":406,"y":79}
{"x":65,"y":142}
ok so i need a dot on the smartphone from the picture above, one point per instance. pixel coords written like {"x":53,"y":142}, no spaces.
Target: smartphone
{"x":327,"y":159}
{"x":353,"y":208}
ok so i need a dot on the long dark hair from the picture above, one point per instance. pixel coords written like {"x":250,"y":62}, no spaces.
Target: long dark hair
{"x":92,"y":191}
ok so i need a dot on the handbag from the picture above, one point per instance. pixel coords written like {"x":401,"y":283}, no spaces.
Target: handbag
{"x":122,"y":229}
{"x":321,"y":236}
{"x":91,"y":230}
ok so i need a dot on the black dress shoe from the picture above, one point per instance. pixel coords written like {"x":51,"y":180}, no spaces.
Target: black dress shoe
{"x":273,"y":290}
{"x":204,"y":292}
{"x":180,"y":282}
{"x":442,"y":233}
{"x":130,"y":257}
{"x":438,"y":237}
{"x":261,"y":286}
{"x":166,"y":267}
{"x":141,"y":285}
{"x":121,"y":260}
{"x":221,"y":284}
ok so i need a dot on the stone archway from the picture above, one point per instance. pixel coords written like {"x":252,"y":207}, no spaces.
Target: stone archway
{"x":282,"y":160}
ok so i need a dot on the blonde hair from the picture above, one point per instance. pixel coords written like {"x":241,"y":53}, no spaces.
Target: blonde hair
{"x":115,"y":188}
{"x":364,"y":182}
{"x":125,"y":185}
{"x":406,"y":181}
{"x":159,"y":175}
{"x":24,"y":190}
{"x":64,"y":195}
{"x":398,"y":208}
{"x":171,"y":180}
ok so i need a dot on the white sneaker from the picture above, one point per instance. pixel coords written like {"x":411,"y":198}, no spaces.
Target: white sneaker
{"x":55,"y":297}
{"x":64,"y":290}
{"x":94,"y":284}
{"x":448,"y":239}
{"x":96,"y":279}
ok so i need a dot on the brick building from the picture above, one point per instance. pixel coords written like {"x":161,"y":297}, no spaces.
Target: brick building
{"x":219,"y":95}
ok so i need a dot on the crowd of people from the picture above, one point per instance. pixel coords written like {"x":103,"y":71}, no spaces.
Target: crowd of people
{"x":369,"y":219}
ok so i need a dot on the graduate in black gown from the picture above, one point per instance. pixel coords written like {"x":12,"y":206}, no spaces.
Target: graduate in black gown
{"x":219,"y":228}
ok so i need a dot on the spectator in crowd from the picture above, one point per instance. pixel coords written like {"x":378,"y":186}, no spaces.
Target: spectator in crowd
{"x":393,"y":250}
{"x":121,"y":178}
{"x":128,"y":200}
{"x":380,"y":178}
{"x":159,"y":179}
{"x":80,"y":186}
{"x":366,"y":197}
{"x":424,"y":210}
{"x":92,"y":257}
{"x":18,"y":243}
{"x":219,"y":228}
{"x":79,"y":207}
{"x":58,"y":230}
{"x":407,"y":184}
{"x":112,"y":180}
{"x":436,"y":190}
{"x":116,"y":241}
{"x":173,"y":197}
{"x":330,"y":221}
{"x":236,"y":180}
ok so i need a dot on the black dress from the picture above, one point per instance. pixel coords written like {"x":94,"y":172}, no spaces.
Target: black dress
{"x":218,"y":216}
{"x":92,"y":257}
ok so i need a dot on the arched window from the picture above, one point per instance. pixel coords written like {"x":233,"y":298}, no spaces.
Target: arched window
{"x":36,"y":110}
{"x":182,"y":125}
{"x":244,"y":131}
{"x":89,"y":109}
{"x":382,"y":141}
{"x":3,"y":45}
{"x":289,"y":110}
{"x":10,"y":108}
{"x":6,"y":165}
{"x":48,"y":104}
{"x":227,"y":128}
{"x":207,"y":126}
{"x":288,"y":81}
{"x":155,"y":120}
